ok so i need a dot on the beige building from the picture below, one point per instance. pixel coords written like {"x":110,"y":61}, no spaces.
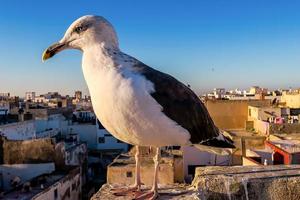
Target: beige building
{"x":78,"y":95}
{"x":29,"y":96}
{"x":231,"y":114}
{"x":177,"y":165}
{"x":257,"y":90}
{"x":291,"y":99}
{"x":122,"y":169}
{"x":263,"y":112}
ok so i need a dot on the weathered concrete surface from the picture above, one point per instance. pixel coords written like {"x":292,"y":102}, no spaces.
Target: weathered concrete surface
{"x":174,"y":192}
{"x":279,"y":182}
{"x":274,"y":182}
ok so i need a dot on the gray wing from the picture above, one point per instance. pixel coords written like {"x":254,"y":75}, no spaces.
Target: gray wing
{"x":183,"y":106}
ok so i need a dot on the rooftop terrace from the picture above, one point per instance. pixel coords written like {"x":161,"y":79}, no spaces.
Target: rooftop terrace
{"x":37,"y":185}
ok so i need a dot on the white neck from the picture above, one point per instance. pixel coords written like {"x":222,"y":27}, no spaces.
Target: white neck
{"x":97,"y":56}
{"x":99,"y":63}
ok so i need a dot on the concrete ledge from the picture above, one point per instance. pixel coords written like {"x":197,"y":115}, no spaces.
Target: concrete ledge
{"x":174,"y":192}
{"x":274,"y":182}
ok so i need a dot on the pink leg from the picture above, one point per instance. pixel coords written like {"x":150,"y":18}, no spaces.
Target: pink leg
{"x":137,"y":184}
{"x":153,"y":193}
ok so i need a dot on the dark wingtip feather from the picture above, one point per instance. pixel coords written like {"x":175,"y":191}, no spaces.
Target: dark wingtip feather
{"x":214,"y":142}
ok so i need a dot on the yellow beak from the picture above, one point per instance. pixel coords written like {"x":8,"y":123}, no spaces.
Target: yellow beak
{"x":46,"y":55}
{"x":52,"y":50}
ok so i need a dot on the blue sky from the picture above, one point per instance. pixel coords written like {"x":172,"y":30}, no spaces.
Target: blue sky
{"x":216,"y":43}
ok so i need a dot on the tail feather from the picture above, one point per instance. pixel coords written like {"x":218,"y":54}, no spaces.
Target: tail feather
{"x":220,"y":145}
{"x":220,"y":142}
{"x":215,"y":150}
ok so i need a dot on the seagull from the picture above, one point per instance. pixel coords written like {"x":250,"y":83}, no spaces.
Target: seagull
{"x":138,"y":104}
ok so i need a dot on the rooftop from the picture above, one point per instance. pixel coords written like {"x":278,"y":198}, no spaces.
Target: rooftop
{"x":37,"y":184}
{"x":243,"y":133}
{"x":172,"y":192}
{"x":290,"y":146}
{"x":128,"y":159}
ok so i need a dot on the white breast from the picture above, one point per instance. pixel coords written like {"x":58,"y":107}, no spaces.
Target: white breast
{"x":122,"y":102}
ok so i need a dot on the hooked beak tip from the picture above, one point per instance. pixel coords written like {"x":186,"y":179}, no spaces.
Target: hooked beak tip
{"x":46,"y":55}
{"x":52,"y":50}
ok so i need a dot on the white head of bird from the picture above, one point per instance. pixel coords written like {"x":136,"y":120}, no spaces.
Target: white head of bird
{"x":83,"y":33}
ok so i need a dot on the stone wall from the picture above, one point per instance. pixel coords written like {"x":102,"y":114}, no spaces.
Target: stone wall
{"x":273,"y":182}
{"x":178,"y":170}
{"x":231,"y":114}
{"x":291,"y":100}
{"x":284,"y":128}
{"x":26,"y":151}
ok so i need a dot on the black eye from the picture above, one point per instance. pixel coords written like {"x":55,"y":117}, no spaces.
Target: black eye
{"x":78,"y":29}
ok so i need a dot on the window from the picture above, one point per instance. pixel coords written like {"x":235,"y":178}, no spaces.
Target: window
{"x":192,"y":168}
{"x":73,"y":186}
{"x":128,"y":174}
{"x":249,"y":112}
{"x":176,"y":147}
{"x":101,"y":140}
{"x":99,"y":125}
{"x":55,"y":194}
{"x":68,"y":192}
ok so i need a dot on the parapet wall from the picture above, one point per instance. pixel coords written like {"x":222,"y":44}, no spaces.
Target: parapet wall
{"x":273,"y":182}
{"x":284,"y":128}
{"x":27,"y":151}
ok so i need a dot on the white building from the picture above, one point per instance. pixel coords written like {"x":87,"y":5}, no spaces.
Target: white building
{"x":64,"y":187}
{"x":19,"y":131}
{"x":83,"y":104}
{"x":96,"y":137}
{"x":50,"y":186}
{"x":32,"y":129}
{"x":24,"y":172}
{"x":257,"y":90}
{"x":29,"y":96}
{"x":4,"y":96}
{"x":75,"y":154}
{"x":41,"y":99}
{"x":4,"y":108}
{"x":219,"y":93}
{"x":105,"y":140}
{"x":50,"y":126}
{"x":193,"y":157}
